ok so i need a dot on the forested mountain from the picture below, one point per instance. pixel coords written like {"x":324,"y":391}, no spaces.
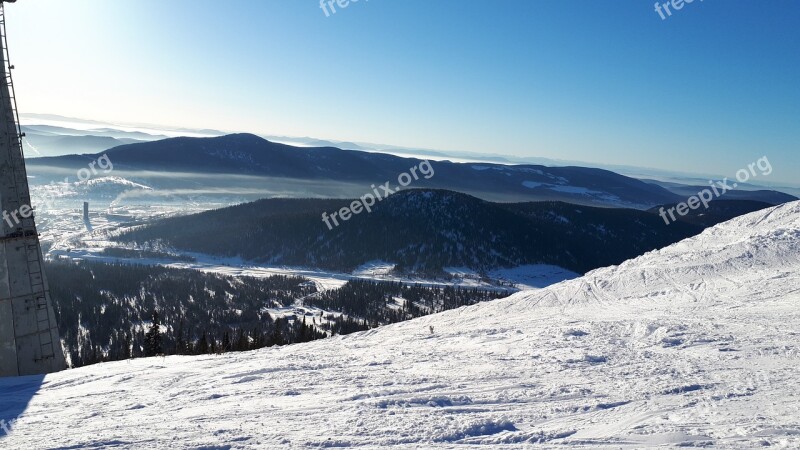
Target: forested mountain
{"x":115,"y":312}
{"x":718,"y":211}
{"x":422,"y":231}
{"x":381,"y":303}
{"x":247,"y":154}
{"x":104,"y":311}
{"x":771,"y":197}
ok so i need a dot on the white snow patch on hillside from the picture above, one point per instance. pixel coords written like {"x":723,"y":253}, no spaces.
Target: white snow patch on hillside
{"x":533,"y":184}
{"x":533,"y":276}
{"x":693,"y":345}
{"x":462,"y":272}
{"x":119,"y":181}
{"x":374,"y":268}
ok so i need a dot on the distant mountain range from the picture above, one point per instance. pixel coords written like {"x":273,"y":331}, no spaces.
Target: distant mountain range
{"x":147,"y":132}
{"x":424,"y":231}
{"x":51,"y":130}
{"x":48,"y":140}
{"x":246,"y":154}
{"x":763,"y":195}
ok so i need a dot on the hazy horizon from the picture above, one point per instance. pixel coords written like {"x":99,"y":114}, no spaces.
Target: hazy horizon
{"x":644,"y":173}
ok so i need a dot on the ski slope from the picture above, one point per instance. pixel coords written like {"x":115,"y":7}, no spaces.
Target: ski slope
{"x":695,"y":345}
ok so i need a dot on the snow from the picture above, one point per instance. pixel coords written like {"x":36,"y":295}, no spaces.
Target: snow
{"x":373,"y":268}
{"x":236,"y":267}
{"x":530,"y":277}
{"x":462,"y":272}
{"x":692,"y":345}
{"x":115,"y":180}
{"x":533,"y":184}
{"x":574,"y":190}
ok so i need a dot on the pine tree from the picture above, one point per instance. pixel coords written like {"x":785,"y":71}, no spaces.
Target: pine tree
{"x":276,"y":337}
{"x":180,"y":343}
{"x":127,"y":350}
{"x":202,"y":345}
{"x":152,"y":340}
{"x":242,"y":343}
{"x":258,"y":339}
{"x":226,"y":342}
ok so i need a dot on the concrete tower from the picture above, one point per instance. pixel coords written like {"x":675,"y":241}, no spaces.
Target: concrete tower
{"x":29,"y":340}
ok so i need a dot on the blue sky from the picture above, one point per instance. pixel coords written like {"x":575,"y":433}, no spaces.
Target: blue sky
{"x":709,"y":90}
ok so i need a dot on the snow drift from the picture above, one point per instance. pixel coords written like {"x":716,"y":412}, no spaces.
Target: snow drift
{"x":692,"y":345}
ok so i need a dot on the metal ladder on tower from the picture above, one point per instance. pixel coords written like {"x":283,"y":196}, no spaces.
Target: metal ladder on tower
{"x":30,"y":241}
{"x":39,"y":299}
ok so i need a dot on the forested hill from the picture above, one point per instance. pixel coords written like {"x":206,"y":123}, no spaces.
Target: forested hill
{"x":106,"y":312}
{"x":247,"y":154}
{"x":422,"y":231}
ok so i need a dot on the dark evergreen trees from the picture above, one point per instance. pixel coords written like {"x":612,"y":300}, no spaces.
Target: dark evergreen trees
{"x":152,"y":340}
{"x":114,"y":312}
{"x":423,"y":231}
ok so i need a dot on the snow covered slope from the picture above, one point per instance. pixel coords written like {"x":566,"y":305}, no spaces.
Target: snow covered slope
{"x":693,"y":345}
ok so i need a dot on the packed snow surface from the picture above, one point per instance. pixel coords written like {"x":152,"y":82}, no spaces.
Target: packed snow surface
{"x":692,"y":345}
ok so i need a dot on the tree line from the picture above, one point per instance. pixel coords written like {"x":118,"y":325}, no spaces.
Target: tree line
{"x":111,"y":312}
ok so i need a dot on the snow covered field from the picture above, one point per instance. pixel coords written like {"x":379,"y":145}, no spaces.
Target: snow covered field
{"x":693,"y":345}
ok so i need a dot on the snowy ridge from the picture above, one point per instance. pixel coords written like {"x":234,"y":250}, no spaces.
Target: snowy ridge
{"x":693,"y":345}
{"x":114,"y":180}
{"x":748,"y":248}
